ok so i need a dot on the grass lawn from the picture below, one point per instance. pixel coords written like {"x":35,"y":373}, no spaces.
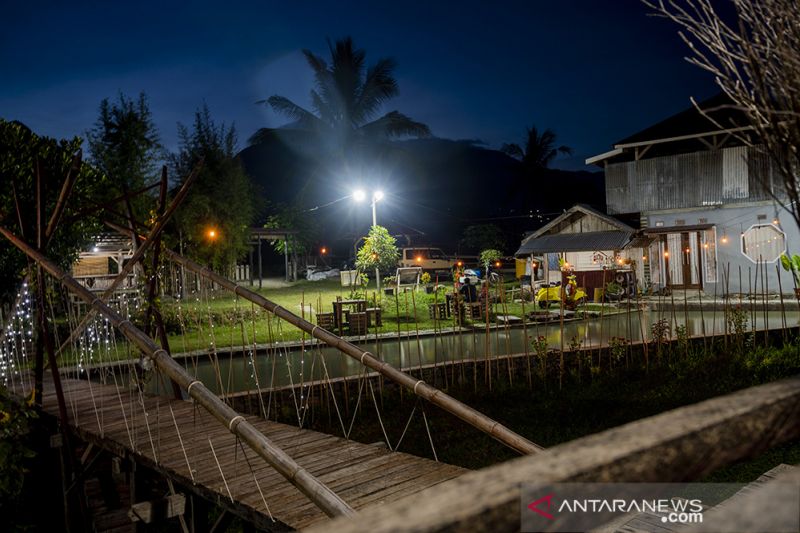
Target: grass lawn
{"x":225,"y":320}
{"x":208,"y":319}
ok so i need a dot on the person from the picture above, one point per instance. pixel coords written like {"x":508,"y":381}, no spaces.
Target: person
{"x":468,"y":291}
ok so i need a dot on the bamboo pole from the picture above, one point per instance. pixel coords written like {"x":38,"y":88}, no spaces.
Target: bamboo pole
{"x":316,"y":491}
{"x":419,"y":387}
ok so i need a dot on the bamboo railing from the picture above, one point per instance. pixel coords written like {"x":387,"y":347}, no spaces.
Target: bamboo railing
{"x":315,"y":490}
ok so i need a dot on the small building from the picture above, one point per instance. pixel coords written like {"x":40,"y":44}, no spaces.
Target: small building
{"x":707,"y":197}
{"x":598,"y":248}
{"x":98,"y":265}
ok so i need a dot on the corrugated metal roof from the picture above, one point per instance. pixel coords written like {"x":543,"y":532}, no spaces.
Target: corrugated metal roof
{"x":586,"y":210}
{"x":576,"y":242}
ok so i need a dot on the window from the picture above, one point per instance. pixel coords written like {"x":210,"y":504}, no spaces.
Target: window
{"x":417,"y":254}
{"x":437,"y":254}
{"x":763,"y":242}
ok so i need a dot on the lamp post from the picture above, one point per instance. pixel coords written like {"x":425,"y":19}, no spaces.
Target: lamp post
{"x":377,"y":196}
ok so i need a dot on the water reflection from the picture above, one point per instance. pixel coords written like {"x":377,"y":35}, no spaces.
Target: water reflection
{"x":281,"y":366}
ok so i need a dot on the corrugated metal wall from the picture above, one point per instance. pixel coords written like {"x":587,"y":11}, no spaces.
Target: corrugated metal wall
{"x":730,"y":175}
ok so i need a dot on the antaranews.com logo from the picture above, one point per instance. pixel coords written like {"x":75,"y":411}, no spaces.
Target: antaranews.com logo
{"x":674,"y":511}
{"x":588,"y":506}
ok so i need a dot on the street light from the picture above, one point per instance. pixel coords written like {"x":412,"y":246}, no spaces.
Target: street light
{"x":359,"y":196}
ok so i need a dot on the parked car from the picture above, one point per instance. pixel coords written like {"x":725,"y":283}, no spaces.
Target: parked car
{"x":432,"y":260}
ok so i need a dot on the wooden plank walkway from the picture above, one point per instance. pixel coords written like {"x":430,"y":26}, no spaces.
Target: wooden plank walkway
{"x":123,"y":422}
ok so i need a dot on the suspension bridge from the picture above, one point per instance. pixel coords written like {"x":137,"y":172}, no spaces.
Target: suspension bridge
{"x":270,"y":474}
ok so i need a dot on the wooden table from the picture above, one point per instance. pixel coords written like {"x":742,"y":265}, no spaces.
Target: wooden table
{"x":358,"y":306}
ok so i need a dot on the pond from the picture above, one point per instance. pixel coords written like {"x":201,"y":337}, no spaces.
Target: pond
{"x":290,"y":366}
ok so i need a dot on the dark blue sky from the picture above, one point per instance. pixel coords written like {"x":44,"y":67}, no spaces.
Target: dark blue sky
{"x":594,"y":71}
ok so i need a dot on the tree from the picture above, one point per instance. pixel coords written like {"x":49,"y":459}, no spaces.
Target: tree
{"x":539,"y":151}
{"x":214,"y":219}
{"x":755,"y":60}
{"x":124,"y":145}
{"x":488,"y":257}
{"x":483,"y":236}
{"x":346,"y":99}
{"x":379,"y":251}
{"x":20,"y":150}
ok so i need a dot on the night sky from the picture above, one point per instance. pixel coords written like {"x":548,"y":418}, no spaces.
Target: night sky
{"x":594,"y":71}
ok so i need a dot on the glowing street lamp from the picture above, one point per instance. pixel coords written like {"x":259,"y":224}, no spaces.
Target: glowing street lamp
{"x":359,"y":196}
{"x":212,"y":233}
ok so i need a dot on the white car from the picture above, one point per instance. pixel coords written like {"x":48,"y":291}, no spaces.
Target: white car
{"x":432,"y":260}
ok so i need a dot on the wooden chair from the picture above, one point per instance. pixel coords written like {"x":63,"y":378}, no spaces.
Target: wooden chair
{"x":326,"y":321}
{"x":438,"y":311}
{"x":475,"y":311}
{"x":374,"y":316}
{"x":357,"y":323}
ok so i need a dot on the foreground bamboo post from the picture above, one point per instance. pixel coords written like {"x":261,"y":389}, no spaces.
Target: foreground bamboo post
{"x":419,"y":387}
{"x":316,"y":491}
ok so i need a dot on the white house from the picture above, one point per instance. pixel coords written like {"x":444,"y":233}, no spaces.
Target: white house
{"x":706,"y":199}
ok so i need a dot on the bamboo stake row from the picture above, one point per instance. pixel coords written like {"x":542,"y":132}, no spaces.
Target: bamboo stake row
{"x":419,"y":387}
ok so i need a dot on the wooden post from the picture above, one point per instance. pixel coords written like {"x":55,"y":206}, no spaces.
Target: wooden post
{"x":261,"y":265}
{"x":38,"y":369}
{"x":286,"y":255}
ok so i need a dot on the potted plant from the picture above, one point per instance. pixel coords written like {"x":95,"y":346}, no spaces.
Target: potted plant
{"x":389,"y":285}
{"x":488,"y":258}
{"x":792,"y":264}
{"x":425,"y":279}
{"x":613,"y":290}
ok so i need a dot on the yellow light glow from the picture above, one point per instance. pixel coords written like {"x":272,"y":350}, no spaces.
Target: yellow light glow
{"x":666,"y":254}
{"x":724,"y":239}
{"x":497,"y":264}
{"x":460,"y":263}
{"x":644,"y":258}
{"x":324,"y":250}
{"x":419,"y":259}
{"x":212,"y":233}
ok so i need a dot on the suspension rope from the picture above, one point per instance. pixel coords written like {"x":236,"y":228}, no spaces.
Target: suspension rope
{"x":214,"y":453}
{"x":180,"y":440}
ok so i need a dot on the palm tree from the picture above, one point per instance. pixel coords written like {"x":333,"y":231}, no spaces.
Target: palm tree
{"x":346,"y":99}
{"x":540,"y":150}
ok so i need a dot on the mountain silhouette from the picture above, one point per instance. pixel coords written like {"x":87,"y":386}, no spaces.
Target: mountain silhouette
{"x":434,"y":187}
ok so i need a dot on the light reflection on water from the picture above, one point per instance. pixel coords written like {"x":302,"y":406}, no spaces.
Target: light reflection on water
{"x":292,"y":366}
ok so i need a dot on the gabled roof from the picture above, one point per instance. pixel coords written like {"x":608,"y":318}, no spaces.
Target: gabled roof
{"x":691,"y":122}
{"x":576,"y":242}
{"x":685,"y":131}
{"x":541,"y":241}
{"x":586,"y":210}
